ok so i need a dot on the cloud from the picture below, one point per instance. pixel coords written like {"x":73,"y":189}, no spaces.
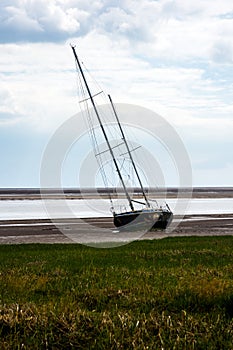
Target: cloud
{"x":6,"y":99}
{"x":171,"y":30}
{"x":7,"y":119}
{"x":222,"y":52}
{"x":38,"y":20}
{"x":173,"y":57}
{"x":40,"y":82}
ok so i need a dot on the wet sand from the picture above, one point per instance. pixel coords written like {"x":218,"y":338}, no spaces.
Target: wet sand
{"x":45,"y":231}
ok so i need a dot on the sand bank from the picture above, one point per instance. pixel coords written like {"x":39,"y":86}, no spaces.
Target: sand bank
{"x":46,"y":231}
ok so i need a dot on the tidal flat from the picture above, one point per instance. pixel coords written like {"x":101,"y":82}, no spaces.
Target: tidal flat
{"x":174,"y":293}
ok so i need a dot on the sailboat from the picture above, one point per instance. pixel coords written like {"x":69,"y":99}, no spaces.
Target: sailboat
{"x":149,"y":215}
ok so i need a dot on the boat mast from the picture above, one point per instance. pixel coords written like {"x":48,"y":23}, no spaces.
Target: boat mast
{"x":102,"y":128}
{"x":129,"y":152}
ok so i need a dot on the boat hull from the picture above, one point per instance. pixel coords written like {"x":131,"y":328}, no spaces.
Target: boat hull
{"x":151,"y":219}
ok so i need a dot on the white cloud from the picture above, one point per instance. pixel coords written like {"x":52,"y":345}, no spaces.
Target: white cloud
{"x":222,"y":51}
{"x":7,"y":100}
{"x":19,"y":19}
{"x":42,"y":78}
{"x":170,"y":30}
{"x":37,"y":86}
{"x":38,"y":20}
{"x":174,"y":57}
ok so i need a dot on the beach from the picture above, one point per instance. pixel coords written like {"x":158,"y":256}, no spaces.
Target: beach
{"x":21,"y":227}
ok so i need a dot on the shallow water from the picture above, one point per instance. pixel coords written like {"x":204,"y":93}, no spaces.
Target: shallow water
{"x":37,"y":209}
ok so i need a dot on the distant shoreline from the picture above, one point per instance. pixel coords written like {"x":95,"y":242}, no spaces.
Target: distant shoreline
{"x":74,"y":193}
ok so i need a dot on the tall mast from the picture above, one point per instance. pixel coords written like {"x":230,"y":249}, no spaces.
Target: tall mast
{"x":129,"y":152}
{"x":103,"y":130}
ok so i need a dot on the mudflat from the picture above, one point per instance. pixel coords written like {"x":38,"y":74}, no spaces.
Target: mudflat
{"x":53,"y":231}
{"x":47,"y":231}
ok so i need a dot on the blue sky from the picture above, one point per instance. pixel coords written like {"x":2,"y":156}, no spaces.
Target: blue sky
{"x":173,"y":57}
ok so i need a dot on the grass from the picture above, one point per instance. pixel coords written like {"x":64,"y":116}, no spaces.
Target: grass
{"x":175,"y":293}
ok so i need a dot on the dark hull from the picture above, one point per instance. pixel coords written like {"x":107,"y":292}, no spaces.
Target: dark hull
{"x":151,"y":219}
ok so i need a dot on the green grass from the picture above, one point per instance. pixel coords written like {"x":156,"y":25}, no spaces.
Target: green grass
{"x":175,"y":293}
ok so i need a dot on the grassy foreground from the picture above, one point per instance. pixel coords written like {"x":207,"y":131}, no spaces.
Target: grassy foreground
{"x":175,"y":293}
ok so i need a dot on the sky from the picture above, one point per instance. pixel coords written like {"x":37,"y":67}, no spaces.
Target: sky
{"x":173,"y":57}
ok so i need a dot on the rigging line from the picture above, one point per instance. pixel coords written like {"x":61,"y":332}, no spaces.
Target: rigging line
{"x":103,"y":130}
{"x":104,"y":176}
{"x":134,"y":200}
{"x":90,"y":127}
{"x":82,"y":93}
{"x":125,"y":172}
{"x":110,"y":111}
{"x":88,"y":98}
{"x":99,"y":161}
{"x":95,"y":144}
{"x":132,"y":150}
{"x":102,"y":168}
{"x":89,"y":116}
{"x":95,"y":82}
{"x":88,"y":120}
{"x":91,"y":75}
{"x":92,"y":132}
{"x":122,"y":164}
{"x":154,"y":200}
{"x":105,"y":115}
{"x":134,"y":166}
{"x":145,"y":159}
{"x":107,"y":150}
